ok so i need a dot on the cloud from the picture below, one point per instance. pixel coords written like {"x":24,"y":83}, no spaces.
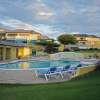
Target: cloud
{"x":17,"y":24}
{"x":38,"y":0}
{"x":45,"y":13}
{"x":47,"y":29}
{"x":2,"y":9}
{"x":40,"y":10}
{"x":52,"y":17}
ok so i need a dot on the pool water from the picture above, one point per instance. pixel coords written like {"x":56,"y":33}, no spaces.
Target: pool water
{"x":38,"y":64}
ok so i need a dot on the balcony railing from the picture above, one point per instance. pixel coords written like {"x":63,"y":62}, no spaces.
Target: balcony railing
{"x":9,"y":43}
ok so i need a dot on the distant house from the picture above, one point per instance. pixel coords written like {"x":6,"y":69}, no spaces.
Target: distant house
{"x":10,"y":51}
{"x":87,"y":41}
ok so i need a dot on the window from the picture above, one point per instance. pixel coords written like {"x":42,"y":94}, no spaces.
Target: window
{"x":82,"y":43}
{"x":12,"y":34}
{"x":82,"y":38}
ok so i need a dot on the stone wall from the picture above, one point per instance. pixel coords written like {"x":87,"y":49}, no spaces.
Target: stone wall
{"x":72,"y":55}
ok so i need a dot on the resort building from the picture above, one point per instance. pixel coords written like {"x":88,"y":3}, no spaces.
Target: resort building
{"x":23,"y":34}
{"x":10,"y":51}
{"x":20,"y":35}
{"x":3,"y":33}
{"x":88,"y":41}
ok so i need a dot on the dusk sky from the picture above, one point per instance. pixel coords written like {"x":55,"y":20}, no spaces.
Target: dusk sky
{"x":51,"y":17}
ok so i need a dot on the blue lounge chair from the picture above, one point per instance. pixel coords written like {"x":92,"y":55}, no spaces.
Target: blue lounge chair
{"x":79,"y":65}
{"x":65,"y":68}
{"x":52,"y":71}
{"x":70,"y":70}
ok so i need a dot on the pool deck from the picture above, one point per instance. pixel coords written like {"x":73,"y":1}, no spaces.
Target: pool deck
{"x":30,"y":77}
{"x":25,"y":77}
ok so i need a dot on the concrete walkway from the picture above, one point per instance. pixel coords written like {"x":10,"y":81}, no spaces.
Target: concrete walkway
{"x":26,"y":77}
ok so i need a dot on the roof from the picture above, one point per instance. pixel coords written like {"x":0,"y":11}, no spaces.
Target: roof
{"x":86,"y":35}
{"x":45,"y":37}
{"x":3,"y":30}
{"x":22,"y":31}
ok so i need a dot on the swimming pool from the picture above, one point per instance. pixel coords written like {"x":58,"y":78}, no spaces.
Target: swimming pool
{"x":38,"y":64}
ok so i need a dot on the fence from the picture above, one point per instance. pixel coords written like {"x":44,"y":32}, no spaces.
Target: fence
{"x":67,"y":55}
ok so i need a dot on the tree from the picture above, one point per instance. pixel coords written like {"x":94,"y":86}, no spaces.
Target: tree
{"x":50,"y":46}
{"x":67,"y":39}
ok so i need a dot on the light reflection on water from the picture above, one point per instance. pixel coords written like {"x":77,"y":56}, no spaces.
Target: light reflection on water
{"x":24,"y":65}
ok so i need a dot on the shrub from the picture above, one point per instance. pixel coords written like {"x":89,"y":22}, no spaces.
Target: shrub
{"x":98,"y":66}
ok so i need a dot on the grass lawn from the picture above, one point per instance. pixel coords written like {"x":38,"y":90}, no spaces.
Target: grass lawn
{"x":84,"y":88}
